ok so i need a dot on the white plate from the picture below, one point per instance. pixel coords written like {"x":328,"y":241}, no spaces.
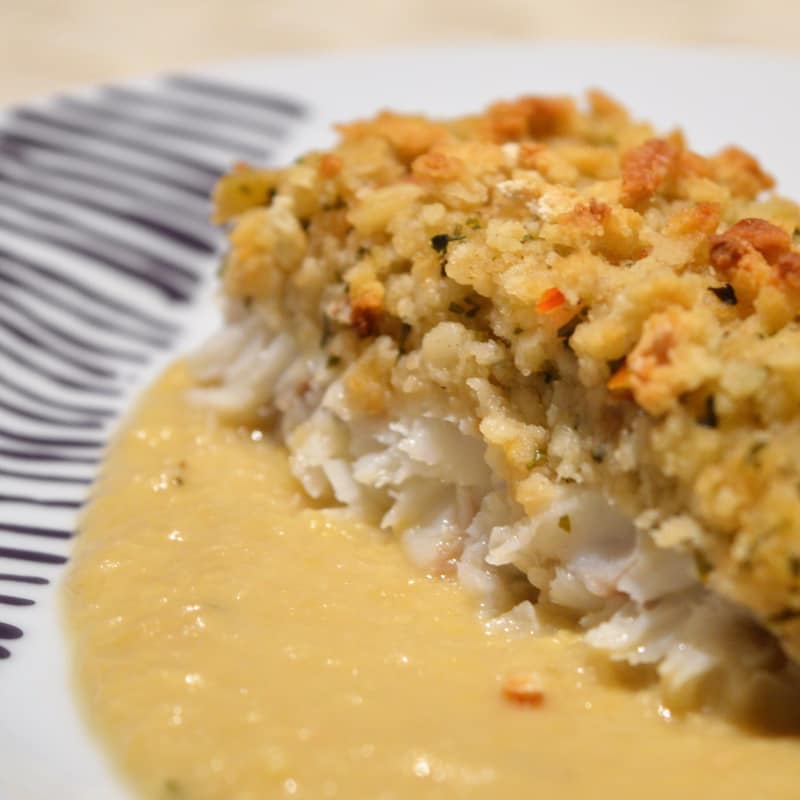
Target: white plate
{"x":106,"y":266}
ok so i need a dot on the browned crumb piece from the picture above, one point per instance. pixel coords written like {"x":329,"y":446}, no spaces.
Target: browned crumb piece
{"x":524,"y":688}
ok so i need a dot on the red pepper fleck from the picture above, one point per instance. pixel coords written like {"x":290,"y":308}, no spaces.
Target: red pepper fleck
{"x":550,"y":301}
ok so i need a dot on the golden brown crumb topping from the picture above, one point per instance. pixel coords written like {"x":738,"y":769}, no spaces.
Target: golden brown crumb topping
{"x":655,"y":288}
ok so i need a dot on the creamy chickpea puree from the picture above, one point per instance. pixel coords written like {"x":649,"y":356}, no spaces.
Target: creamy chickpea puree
{"x":231,"y":642}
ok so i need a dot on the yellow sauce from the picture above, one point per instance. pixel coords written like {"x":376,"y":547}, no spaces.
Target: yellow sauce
{"x":230,"y":642}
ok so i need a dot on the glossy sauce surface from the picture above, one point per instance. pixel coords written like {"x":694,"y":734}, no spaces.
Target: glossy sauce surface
{"x":231,"y":642}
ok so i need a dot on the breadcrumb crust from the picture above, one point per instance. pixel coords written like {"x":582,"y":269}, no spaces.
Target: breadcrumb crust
{"x":628,"y":307}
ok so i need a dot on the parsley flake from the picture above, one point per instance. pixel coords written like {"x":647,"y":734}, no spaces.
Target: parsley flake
{"x":326,"y":330}
{"x":701,"y":564}
{"x":441,"y":240}
{"x":709,"y":418}
{"x":568,"y":328}
{"x":725,"y":294}
{"x":405,"y":330}
{"x":538,"y":459}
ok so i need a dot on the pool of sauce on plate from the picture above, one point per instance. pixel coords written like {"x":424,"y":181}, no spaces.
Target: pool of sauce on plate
{"x":231,"y":642}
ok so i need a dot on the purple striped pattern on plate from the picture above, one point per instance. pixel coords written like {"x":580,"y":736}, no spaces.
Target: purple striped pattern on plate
{"x":104,"y":235}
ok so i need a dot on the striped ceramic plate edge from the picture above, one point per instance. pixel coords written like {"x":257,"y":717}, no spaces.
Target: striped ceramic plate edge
{"x":105,"y":242}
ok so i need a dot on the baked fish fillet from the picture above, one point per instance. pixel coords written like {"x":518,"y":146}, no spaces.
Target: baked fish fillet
{"x":554,"y":352}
